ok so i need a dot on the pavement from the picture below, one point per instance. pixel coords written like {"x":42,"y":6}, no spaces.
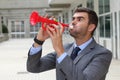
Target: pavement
{"x":13,"y":56}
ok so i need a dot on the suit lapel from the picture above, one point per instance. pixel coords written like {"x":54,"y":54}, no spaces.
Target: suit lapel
{"x":85,"y":51}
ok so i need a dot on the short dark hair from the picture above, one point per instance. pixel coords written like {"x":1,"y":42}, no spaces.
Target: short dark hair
{"x":93,"y":18}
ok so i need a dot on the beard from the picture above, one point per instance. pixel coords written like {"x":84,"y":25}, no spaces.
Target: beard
{"x":73,"y":34}
{"x":76,"y":33}
{"x":73,"y":31}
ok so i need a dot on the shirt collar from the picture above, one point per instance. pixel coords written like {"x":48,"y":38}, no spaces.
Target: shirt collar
{"x":84,"y":45}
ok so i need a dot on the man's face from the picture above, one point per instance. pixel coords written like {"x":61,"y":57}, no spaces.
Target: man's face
{"x":79,"y":25}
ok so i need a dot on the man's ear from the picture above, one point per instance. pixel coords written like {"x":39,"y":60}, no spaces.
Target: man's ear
{"x":91,"y":27}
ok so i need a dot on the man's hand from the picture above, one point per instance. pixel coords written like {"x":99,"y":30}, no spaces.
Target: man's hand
{"x":56,"y":37}
{"x":42,"y":35}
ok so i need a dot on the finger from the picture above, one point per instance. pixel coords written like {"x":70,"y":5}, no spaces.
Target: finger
{"x":51,"y":31}
{"x":52,"y":28}
{"x":44,"y":26}
{"x":56,"y":27}
{"x":40,"y":30}
{"x":46,"y":16}
{"x":61,"y":27}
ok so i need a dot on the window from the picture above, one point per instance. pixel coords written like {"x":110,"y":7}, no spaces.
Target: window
{"x":63,"y":18}
{"x":12,"y":26}
{"x":101,"y":26}
{"x":104,"y":6}
{"x":22,"y":26}
{"x":2,"y":20}
{"x":105,"y":25}
{"x":105,"y":18}
{"x":66,"y":17}
{"x":72,"y":11}
{"x":80,"y":5}
{"x":107,"y":6}
{"x":90,"y":4}
{"x":34,"y":29}
{"x":17,"y":29}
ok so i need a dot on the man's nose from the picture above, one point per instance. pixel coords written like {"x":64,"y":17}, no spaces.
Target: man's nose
{"x":73,"y":22}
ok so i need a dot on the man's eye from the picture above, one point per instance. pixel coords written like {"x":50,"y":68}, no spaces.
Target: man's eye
{"x":79,"y":19}
{"x":73,"y":18}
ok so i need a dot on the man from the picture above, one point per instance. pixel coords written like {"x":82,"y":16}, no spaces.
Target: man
{"x":91,"y":61}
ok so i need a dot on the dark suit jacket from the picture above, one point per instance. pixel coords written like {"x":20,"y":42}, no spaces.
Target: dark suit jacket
{"x":91,"y":64}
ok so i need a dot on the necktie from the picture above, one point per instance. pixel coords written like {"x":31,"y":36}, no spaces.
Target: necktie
{"x":74,"y":53}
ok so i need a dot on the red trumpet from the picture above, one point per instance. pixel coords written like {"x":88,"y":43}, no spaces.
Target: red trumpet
{"x":35,"y":18}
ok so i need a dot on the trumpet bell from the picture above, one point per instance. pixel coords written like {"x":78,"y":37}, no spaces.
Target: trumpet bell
{"x":34,"y":18}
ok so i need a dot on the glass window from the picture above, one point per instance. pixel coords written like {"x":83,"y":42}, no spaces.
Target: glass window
{"x":107,"y":5}
{"x":105,"y":18}
{"x":12,"y":26}
{"x":63,"y":18}
{"x":34,"y":29}
{"x":22,"y":26}
{"x":72,"y":11}
{"x":90,"y":4}
{"x":105,"y":25}
{"x":66,"y":15}
{"x":101,"y":21}
{"x":104,"y":6}
{"x":17,"y":29}
{"x":100,"y":6}
{"x":2,"y":17}
{"x":17,"y":26}
{"x":59,"y":19}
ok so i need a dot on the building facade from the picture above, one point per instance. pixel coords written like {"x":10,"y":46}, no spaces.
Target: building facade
{"x":107,"y":33}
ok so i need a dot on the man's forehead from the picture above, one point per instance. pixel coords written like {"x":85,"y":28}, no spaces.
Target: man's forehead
{"x":78,"y":14}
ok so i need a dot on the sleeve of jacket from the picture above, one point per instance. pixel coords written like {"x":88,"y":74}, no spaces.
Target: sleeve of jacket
{"x":36,"y":63}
